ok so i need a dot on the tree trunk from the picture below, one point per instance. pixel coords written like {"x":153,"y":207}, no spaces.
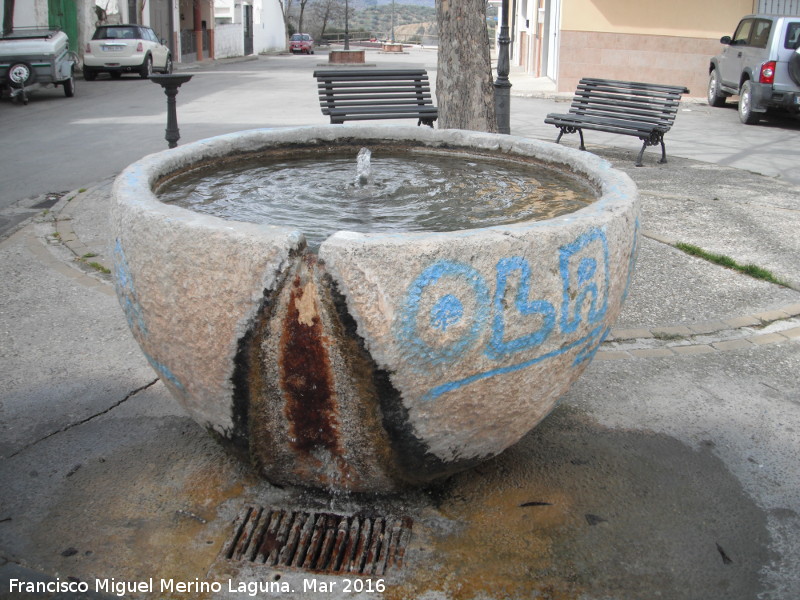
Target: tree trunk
{"x":464,"y":89}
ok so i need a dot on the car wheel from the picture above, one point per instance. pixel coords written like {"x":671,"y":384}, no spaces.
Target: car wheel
{"x":715,"y":97}
{"x":20,"y":74}
{"x":746,"y":114}
{"x":794,"y":66}
{"x":147,"y":68}
{"x":88,"y":74}
{"x":69,"y":86}
{"x":168,"y":66}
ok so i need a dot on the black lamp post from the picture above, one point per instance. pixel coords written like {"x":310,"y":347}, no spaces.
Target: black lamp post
{"x":346,"y":26}
{"x":171,"y":83}
{"x":502,"y":86}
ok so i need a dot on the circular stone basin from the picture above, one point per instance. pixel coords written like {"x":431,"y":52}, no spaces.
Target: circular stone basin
{"x":387,"y":358}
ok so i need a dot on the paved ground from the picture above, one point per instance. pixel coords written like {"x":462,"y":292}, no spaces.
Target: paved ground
{"x":668,"y":470}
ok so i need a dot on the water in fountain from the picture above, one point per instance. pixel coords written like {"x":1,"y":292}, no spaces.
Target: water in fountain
{"x":394,"y":191}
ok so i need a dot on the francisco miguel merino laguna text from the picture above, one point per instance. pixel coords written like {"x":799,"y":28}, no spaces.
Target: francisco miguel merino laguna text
{"x":250,"y":588}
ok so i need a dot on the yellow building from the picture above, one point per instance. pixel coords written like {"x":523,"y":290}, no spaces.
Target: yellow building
{"x":638,"y":40}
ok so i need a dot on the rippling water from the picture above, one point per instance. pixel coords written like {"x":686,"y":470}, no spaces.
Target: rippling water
{"x":410,"y":191}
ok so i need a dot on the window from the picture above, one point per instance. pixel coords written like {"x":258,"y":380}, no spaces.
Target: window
{"x":792,"y":36}
{"x":742,"y":35}
{"x":115,"y":33}
{"x":761,"y":30}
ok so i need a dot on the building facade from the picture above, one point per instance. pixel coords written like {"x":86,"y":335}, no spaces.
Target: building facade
{"x":647,"y":40}
{"x":188,"y":26}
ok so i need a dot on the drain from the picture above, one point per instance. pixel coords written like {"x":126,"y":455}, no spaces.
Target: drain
{"x":319,"y":542}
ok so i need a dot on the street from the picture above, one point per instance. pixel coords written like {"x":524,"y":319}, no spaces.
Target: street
{"x":56,"y":143}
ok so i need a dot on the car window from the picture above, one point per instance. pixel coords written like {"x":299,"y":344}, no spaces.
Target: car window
{"x":115,"y":33}
{"x":151,"y":35}
{"x":742,"y":35}
{"x":761,"y":29}
{"x":296,"y":37}
{"x":792,"y":36}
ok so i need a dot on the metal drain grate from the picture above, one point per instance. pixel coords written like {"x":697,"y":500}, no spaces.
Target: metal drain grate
{"x":319,"y":542}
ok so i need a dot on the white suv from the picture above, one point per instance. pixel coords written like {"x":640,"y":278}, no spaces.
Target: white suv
{"x":118,"y":49}
{"x":760,"y":64}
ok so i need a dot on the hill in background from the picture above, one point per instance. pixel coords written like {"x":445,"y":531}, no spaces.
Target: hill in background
{"x":426,"y":3}
{"x":378,"y":19}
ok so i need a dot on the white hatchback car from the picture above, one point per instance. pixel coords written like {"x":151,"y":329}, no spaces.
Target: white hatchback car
{"x":118,"y":49}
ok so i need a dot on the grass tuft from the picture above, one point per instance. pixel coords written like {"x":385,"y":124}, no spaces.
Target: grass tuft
{"x":726,"y":261}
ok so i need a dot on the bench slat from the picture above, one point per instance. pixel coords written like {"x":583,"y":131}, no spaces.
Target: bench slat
{"x":634,"y":85}
{"x":656,"y":119}
{"x":372,"y":84}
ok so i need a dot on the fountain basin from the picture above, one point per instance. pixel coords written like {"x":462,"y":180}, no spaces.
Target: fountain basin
{"x":386,"y":359}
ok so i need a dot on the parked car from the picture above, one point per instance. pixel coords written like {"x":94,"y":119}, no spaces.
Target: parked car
{"x":301,"y":43}
{"x":118,"y":49}
{"x":760,"y":64}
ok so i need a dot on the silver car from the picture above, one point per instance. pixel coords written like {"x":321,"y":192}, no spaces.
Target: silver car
{"x":118,"y":49}
{"x":760,"y":64}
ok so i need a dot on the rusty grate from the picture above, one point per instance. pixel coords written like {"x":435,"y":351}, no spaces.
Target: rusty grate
{"x":319,"y":542}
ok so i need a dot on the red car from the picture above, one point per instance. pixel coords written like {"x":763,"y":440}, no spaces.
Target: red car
{"x":301,"y":43}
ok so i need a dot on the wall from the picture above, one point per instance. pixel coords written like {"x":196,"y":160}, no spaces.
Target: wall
{"x":228,"y":40}
{"x":269,"y":32}
{"x":709,"y":19}
{"x":31,"y":13}
{"x":649,"y":41}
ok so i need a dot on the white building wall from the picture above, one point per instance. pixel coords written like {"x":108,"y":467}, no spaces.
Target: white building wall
{"x":269,"y":32}
{"x":228,"y":40}
{"x":30,"y":13}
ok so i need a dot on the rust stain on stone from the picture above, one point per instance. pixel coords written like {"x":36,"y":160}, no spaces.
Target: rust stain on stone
{"x":305,"y":372}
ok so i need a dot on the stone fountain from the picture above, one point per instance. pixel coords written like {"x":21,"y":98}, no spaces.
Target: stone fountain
{"x":384,"y":359}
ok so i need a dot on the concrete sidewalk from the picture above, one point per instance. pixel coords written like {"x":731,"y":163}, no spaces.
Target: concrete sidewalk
{"x":668,"y":471}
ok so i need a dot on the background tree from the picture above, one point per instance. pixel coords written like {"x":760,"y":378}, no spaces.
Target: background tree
{"x":464,"y":88}
{"x":286,"y":9}
{"x":326,"y":12}
{"x":302,"y":4}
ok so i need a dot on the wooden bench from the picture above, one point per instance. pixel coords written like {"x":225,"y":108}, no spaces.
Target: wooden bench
{"x":643,"y":110}
{"x":361,"y":95}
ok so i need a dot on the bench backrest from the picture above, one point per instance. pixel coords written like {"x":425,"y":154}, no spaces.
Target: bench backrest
{"x":368,"y":88}
{"x":649,"y":103}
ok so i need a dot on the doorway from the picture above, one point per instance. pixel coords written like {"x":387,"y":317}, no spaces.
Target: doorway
{"x":247,"y":17}
{"x":161,"y":21}
{"x":63,"y":15}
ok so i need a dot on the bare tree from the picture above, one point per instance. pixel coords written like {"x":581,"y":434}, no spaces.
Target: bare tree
{"x":302,"y":12}
{"x":325,"y":12}
{"x":464,"y":89}
{"x":286,"y":9}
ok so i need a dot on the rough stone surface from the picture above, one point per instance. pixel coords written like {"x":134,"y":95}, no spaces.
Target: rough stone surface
{"x":429,"y":330}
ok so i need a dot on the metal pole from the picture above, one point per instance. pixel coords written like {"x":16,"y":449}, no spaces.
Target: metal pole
{"x":393,"y":21}
{"x":502,"y":86}
{"x":171,"y":83}
{"x":346,"y":26}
